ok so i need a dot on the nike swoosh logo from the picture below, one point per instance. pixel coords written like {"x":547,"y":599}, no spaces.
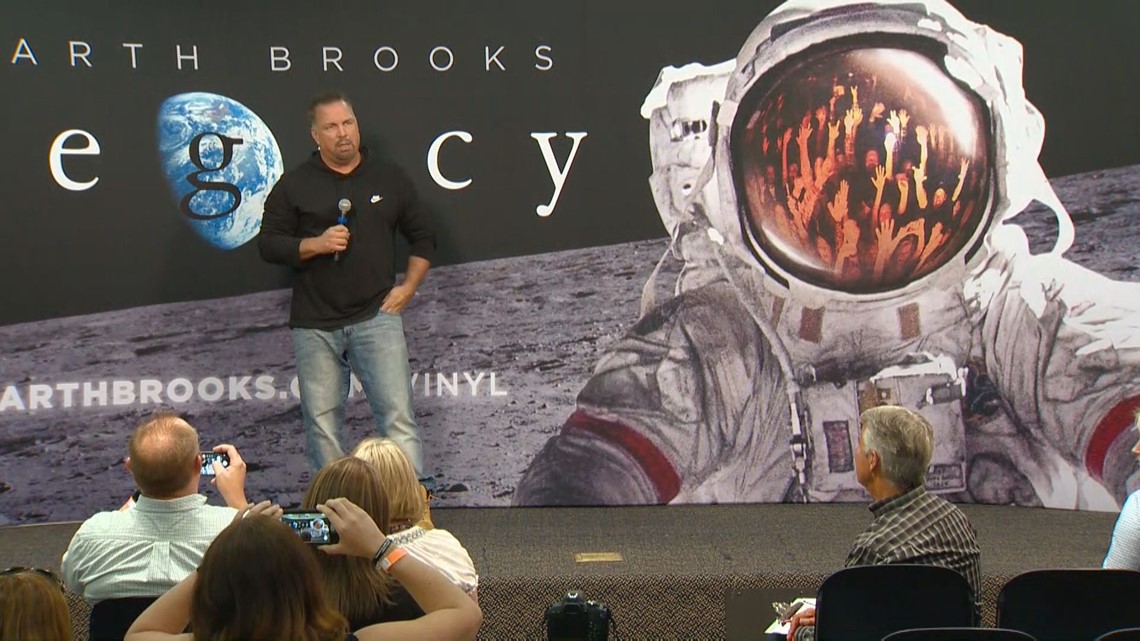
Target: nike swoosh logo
{"x":376,"y":199}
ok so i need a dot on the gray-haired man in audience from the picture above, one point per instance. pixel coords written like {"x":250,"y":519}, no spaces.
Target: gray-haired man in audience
{"x":909,"y":525}
{"x":146,"y":548}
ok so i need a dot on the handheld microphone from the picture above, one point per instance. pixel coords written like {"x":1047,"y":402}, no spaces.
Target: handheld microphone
{"x":344,"y":205}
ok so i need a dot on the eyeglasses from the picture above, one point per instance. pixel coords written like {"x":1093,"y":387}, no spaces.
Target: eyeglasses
{"x":48,"y":574}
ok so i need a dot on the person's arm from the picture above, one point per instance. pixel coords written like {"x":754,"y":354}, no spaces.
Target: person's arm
{"x":70,"y":565}
{"x":278,"y":242}
{"x":1124,"y":552}
{"x":805,"y":158}
{"x":230,"y":480}
{"x":399,"y":296}
{"x":167,"y":617}
{"x":879,"y":181}
{"x":415,"y":226}
{"x":449,"y":614}
{"x":961,"y":180}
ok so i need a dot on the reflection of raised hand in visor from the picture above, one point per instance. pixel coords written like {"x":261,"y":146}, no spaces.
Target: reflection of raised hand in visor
{"x":745,"y":384}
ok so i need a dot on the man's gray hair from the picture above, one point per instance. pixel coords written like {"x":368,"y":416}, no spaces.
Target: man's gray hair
{"x":904,"y":441}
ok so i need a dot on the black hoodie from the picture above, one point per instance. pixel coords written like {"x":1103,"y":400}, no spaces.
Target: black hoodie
{"x":331,"y":293}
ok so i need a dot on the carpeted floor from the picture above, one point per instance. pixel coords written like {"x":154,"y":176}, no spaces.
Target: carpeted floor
{"x":677,"y":552}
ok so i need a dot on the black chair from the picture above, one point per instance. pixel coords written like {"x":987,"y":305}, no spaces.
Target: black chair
{"x":1070,"y":605}
{"x":1127,"y":634}
{"x":111,"y":619}
{"x":870,"y":602}
{"x":959,"y":634}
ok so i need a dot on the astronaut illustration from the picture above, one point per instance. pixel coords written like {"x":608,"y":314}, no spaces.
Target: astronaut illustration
{"x":840,"y":202}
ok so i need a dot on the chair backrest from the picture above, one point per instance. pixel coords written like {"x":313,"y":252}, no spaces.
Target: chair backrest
{"x":1070,"y":605}
{"x":111,"y":619}
{"x":959,"y":634}
{"x":870,"y":602}
{"x":1126,"y":634}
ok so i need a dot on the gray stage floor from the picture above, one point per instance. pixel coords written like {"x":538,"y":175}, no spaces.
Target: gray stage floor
{"x":692,"y":540}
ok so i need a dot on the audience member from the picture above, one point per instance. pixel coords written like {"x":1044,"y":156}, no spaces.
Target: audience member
{"x":407,"y":501}
{"x":1124,"y":553}
{"x":32,"y":607}
{"x":909,"y":525}
{"x":354,"y":587}
{"x":145,"y":549}
{"x":258,"y":581}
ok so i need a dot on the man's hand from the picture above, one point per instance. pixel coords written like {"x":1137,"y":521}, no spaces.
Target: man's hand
{"x":919,"y":175}
{"x":230,"y":481}
{"x":805,"y":133}
{"x":332,"y":240}
{"x":359,"y":534}
{"x":397,"y":299}
{"x":805,"y":617}
{"x":880,"y":178}
{"x":838,"y":207}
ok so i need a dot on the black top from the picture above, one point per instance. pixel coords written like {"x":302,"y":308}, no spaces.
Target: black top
{"x":330,"y":293}
{"x":402,"y":608}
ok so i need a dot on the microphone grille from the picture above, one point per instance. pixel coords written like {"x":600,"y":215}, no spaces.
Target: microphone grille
{"x":344,"y":205}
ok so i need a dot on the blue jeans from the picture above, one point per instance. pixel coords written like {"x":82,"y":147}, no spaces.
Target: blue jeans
{"x":377,"y":353}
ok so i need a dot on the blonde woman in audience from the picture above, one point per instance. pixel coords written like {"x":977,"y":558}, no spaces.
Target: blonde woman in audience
{"x":1124,"y":553}
{"x":258,"y":581}
{"x":407,"y":503}
{"x":363,"y":595}
{"x":32,"y":607}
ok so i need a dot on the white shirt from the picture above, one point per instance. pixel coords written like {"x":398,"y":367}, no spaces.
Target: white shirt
{"x":143,"y":551}
{"x":1124,"y":553}
{"x":441,"y":550}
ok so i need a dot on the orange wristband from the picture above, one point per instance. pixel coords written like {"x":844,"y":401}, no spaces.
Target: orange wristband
{"x":393,"y":558}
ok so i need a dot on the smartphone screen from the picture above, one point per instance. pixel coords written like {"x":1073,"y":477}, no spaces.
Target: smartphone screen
{"x":208,"y":459}
{"x":313,"y":527}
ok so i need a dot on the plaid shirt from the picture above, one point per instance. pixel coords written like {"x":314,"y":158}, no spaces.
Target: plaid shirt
{"x":918,"y":527}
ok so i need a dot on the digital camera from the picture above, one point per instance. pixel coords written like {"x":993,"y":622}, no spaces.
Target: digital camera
{"x":574,"y":618}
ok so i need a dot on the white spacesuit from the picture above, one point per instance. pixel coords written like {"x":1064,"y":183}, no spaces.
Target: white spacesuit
{"x":838,"y":200}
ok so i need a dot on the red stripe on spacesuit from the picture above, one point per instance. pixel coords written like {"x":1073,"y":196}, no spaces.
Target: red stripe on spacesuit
{"x":1115,"y":423}
{"x":660,"y":471}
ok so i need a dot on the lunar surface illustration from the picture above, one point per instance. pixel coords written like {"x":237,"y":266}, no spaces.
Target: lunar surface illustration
{"x":499,"y":351}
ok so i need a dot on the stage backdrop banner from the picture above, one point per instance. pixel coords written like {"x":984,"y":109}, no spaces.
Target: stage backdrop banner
{"x":820,"y":231}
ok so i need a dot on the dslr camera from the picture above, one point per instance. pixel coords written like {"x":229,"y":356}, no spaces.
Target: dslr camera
{"x":573,"y":618}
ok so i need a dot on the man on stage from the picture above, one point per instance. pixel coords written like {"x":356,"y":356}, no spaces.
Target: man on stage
{"x":333,"y":220}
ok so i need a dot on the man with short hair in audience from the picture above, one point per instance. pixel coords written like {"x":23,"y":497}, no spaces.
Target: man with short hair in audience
{"x":910,"y":525}
{"x":147,"y":548}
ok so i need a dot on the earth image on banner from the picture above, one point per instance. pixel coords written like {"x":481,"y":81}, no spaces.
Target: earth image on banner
{"x":220,"y":161}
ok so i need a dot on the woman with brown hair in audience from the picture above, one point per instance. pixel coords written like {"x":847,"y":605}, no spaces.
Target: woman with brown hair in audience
{"x":32,"y":607}
{"x":258,"y":581}
{"x":407,"y":501}
{"x":363,"y":595}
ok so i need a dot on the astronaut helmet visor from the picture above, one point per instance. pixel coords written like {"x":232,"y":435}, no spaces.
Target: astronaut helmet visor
{"x":861,"y":169}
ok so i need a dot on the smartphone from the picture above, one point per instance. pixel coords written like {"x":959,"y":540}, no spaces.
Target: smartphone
{"x":314,"y":528}
{"x":208,"y":459}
